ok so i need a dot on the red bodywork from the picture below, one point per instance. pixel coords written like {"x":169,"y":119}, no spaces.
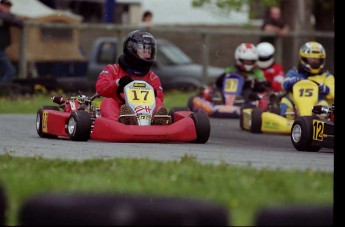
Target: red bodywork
{"x":181,"y":130}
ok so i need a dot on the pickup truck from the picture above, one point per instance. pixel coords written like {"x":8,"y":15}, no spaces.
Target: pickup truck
{"x":175,"y":69}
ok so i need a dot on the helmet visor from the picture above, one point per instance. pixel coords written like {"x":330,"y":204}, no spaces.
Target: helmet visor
{"x":265,"y":58}
{"x":248,"y":62}
{"x":145,"y":52}
{"x":314,"y":63}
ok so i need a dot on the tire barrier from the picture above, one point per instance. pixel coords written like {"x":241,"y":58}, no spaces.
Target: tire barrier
{"x":105,"y":209}
{"x":3,"y":205}
{"x":295,"y":216}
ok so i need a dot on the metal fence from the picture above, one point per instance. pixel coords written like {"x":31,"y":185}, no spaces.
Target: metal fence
{"x":207,"y":45}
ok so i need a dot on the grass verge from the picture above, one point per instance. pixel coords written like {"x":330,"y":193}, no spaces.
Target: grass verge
{"x":242,"y":191}
{"x":31,"y":103}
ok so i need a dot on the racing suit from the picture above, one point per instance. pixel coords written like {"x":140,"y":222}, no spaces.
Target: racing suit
{"x":325,"y":80}
{"x":107,"y":85}
{"x":275,"y":76}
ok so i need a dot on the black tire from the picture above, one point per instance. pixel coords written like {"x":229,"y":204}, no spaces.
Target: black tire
{"x":302,"y":134}
{"x":202,"y":126}
{"x":119,"y":210}
{"x":256,"y":120}
{"x":295,"y":215}
{"x":82,"y":125}
{"x":190,"y":102}
{"x":39,"y":121}
{"x":3,"y":206}
{"x":175,"y":109}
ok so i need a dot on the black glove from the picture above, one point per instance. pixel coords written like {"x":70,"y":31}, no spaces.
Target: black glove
{"x":123,"y":81}
{"x":260,"y":86}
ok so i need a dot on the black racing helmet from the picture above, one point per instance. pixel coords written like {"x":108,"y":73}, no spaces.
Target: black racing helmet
{"x":139,"y":52}
{"x":140,"y":45}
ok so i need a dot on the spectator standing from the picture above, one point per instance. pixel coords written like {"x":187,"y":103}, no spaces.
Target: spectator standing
{"x":146,"y":20}
{"x":273,"y":71}
{"x":273,"y":22}
{"x":7,"y":19}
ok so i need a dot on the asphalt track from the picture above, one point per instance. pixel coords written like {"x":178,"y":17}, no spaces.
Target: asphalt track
{"x":227,"y":144}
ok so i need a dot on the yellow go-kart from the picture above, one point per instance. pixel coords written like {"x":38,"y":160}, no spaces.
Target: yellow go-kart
{"x":305,"y":94}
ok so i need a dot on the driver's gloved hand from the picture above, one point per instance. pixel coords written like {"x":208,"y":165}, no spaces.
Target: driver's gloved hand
{"x":260,"y":86}
{"x":123,"y":81}
{"x":294,"y":80}
{"x":323,"y":89}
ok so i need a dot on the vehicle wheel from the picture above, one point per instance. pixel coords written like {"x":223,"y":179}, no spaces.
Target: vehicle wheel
{"x":79,"y":125}
{"x":39,"y":118}
{"x":202,"y":126}
{"x":190,"y":103}
{"x":105,"y":209}
{"x":302,"y":134}
{"x":175,"y":109}
{"x":3,"y":206}
{"x":256,"y":120}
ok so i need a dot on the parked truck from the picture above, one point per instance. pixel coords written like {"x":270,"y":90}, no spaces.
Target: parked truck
{"x":175,"y":69}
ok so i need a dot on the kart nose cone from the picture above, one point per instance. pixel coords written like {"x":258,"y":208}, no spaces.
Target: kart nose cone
{"x":296,"y":133}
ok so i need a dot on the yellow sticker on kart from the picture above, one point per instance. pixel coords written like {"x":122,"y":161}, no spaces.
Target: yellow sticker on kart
{"x":318,"y":128}
{"x":231,"y":85}
{"x":44,"y":121}
{"x":139,"y":95}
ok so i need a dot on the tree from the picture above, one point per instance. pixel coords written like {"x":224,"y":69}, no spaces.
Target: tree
{"x":298,"y":14}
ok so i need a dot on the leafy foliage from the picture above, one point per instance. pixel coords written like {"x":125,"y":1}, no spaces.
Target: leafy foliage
{"x":232,"y":5}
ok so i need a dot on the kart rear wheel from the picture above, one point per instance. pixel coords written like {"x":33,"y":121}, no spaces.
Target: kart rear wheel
{"x":39,"y":118}
{"x":79,"y":125}
{"x":175,"y":109}
{"x":302,"y":134}
{"x":256,"y":120}
{"x":202,"y":126}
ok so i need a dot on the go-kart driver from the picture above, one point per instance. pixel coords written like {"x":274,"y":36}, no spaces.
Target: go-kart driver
{"x":311,"y":64}
{"x":139,"y":54}
{"x":246,"y":57}
{"x":273,"y":71}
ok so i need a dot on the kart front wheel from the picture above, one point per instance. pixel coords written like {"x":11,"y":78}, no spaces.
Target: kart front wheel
{"x":79,"y":125}
{"x":256,"y":122}
{"x":39,"y":121}
{"x":202,"y":126}
{"x":302,"y":134}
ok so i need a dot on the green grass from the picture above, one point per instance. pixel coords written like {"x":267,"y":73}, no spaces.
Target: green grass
{"x":241,"y":191}
{"x":30,"y":104}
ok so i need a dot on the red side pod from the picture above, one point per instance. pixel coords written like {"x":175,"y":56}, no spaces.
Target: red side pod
{"x":53,"y":122}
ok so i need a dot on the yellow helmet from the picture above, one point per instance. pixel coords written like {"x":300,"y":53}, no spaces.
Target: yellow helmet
{"x":312,"y":57}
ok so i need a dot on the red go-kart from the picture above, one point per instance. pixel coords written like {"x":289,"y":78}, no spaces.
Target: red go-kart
{"x":78,"y":119}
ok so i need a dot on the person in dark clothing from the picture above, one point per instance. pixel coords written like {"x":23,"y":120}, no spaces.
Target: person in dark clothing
{"x":273,"y":22}
{"x":7,"y":19}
